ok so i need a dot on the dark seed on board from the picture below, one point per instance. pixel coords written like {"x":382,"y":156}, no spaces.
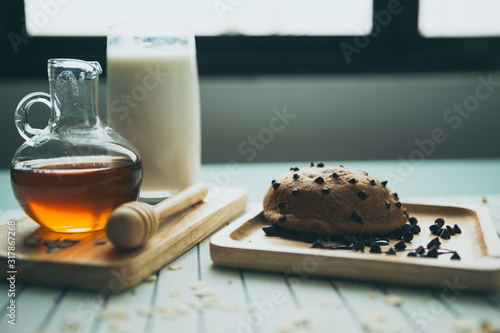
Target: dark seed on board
{"x":362,"y":195}
{"x":406,"y":227}
{"x":433,"y":228}
{"x":320,"y":165}
{"x":398,"y":204}
{"x":391,"y":251}
{"x":372,"y":182}
{"x":375,"y":248}
{"x":415,"y":229}
{"x":359,"y":247}
{"x":281,"y":204}
{"x":325,"y":190}
{"x":384,"y":183}
{"x":319,"y":180}
{"x":387,"y":204}
{"x":295,"y":191}
{"x":296,"y":176}
{"x":457,"y":229}
{"x":439,"y":222}
{"x":413,"y":220}
{"x":455,"y":256}
{"x":450,"y":230}
{"x":282,"y":218}
{"x":398,"y":233}
{"x":408,"y":237}
{"x":352,"y":180}
{"x":271,"y":230}
{"x":335,"y":175}
{"x":420,"y":250}
{"x":445,"y":234}
{"x":355,"y":216}
{"x":400,"y":245}
{"x":276,"y":185}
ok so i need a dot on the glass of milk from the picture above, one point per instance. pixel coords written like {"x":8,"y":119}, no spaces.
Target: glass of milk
{"x":153,"y":101}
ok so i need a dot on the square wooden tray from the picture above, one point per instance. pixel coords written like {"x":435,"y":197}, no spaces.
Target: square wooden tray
{"x":243,"y":244}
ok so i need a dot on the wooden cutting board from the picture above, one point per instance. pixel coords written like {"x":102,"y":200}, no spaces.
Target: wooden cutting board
{"x":243,"y":244}
{"x":88,"y":265}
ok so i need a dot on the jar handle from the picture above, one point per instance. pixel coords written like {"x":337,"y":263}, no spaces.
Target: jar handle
{"x":21,"y":116}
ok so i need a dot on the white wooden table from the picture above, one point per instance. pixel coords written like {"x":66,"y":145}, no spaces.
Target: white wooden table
{"x":192,"y":295}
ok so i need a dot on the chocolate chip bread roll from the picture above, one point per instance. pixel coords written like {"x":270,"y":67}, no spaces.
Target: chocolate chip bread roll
{"x":333,"y":201}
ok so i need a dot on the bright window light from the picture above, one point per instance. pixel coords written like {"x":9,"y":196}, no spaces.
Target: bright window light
{"x":459,"y":18}
{"x":206,"y":17}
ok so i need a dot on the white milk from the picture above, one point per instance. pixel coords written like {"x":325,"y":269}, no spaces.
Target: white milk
{"x":153,"y":101}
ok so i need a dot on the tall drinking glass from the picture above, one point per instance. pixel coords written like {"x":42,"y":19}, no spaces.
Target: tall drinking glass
{"x":153,"y":101}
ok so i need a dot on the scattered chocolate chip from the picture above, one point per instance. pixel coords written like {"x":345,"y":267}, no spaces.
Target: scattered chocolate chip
{"x":455,"y":256}
{"x":406,"y":214}
{"x":33,"y":241}
{"x":406,"y":228}
{"x":296,"y":176}
{"x":355,"y":216}
{"x":273,"y":181}
{"x":408,"y":237}
{"x":450,"y":230}
{"x":384,"y":183}
{"x":335,"y":175}
{"x":391,"y":251}
{"x":375,"y":248}
{"x":420,"y":250}
{"x":269,"y":230}
{"x":433,"y":252}
{"x":400,"y":245}
{"x":412,"y":254}
{"x":413,"y":220}
{"x":318,"y":245}
{"x":296,"y":169}
{"x":276,"y":185}
{"x":295,"y":191}
{"x":439,"y":222}
{"x":398,"y":204}
{"x":320,"y":165}
{"x":64,"y":244}
{"x":372,"y":182}
{"x":433,"y":242}
{"x":433,"y":228}
{"x":398,"y":233}
{"x":281,"y":204}
{"x":103,"y":242}
{"x":359,"y":247}
{"x":282,"y":218}
{"x":362,"y":195}
{"x":445,"y":234}
{"x":415,"y":229}
{"x":319,"y":180}
{"x":457,"y":229}
{"x":387,"y":204}
{"x":72,"y":240}
{"x":439,"y":232}
{"x":325,"y":190}
{"x":352,"y":180}
{"x":312,"y":164}
{"x":395,"y":195}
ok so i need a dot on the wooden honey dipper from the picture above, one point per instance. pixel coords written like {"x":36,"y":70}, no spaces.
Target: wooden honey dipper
{"x":133,"y":223}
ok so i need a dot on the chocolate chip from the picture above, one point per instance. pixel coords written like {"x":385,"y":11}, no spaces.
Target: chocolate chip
{"x":398,"y":233}
{"x":433,"y":228}
{"x":312,"y":164}
{"x":355,"y":216}
{"x":296,"y":176}
{"x":433,"y":252}
{"x":319,"y":180}
{"x":335,"y":175}
{"x":412,"y":254}
{"x":101,"y":242}
{"x":433,"y":242}
{"x":375,"y":249}
{"x":413,"y":220}
{"x":445,"y":234}
{"x":398,"y":204}
{"x":455,"y":256}
{"x":387,"y":204}
{"x":325,"y":190}
{"x":406,"y":214}
{"x":352,"y":180}
{"x":439,"y":232}
{"x":276,"y":185}
{"x":294,"y":169}
{"x":281,"y":204}
{"x":72,"y":240}
{"x":384,"y":183}
{"x":391,"y":251}
{"x":408,"y":237}
{"x":273,"y":181}
{"x":362,"y":195}
{"x":415,"y":229}
{"x":400,"y":245}
{"x":359,"y":247}
{"x":318,"y":245}
{"x":457,"y":229}
{"x":282,"y":218}
{"x":450,"y":230}
{"x":395,"y":195}
{"x":406,"y":228}
{"x":420,"y":250}
{"x":33,"y":241}
{"x":439,"y":222}
{"x":320,"y":165}
{"x":372,"y":182}
{"x":295,"y":191}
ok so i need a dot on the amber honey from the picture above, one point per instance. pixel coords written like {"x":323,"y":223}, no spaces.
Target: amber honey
{"x":75,"y":196}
